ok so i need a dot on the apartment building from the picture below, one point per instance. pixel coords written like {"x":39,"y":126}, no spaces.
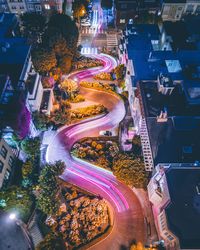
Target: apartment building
{"x":174,"y":193}
{"x":174,"y":10}
{"x":126,"y":10}
{"x":21,"y":6}
{"x":7,"y":163}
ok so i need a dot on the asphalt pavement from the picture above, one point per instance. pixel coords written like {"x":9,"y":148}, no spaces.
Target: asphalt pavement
{"x":129,"y":221}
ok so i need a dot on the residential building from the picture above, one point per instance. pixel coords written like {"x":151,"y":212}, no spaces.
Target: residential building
{"x":174,"y":192}
{"x":17,"y":6}
{"x":21,"y":6}
{"x":174,"y":10}
{"x":7,"y":162}
{"x":47,"y":101}
{"x":34,"y":5}
{"x":126,"y":10}
{"x":188,"y":37}
{"x":163,"y":86}
{"x":35,"y":91}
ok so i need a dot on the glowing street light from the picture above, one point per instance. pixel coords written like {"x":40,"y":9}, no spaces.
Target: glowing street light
{"x":12,"y":216}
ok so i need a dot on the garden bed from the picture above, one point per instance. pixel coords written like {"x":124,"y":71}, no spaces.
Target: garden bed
{"x":81,"y":218}
{"x":85,"y":112}
{"x":97,"y":151}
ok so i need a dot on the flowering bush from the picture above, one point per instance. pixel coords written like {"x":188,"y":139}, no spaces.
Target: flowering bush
{"x":77,"y":98}
{"x":92,"y":110}
{"x":103,"y":76}
{"x":98,"y":86}
{"x":97,"y":151}
{"x":86,"y":62}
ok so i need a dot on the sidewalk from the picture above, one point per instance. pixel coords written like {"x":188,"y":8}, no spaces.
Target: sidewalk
{"x":151,"y":233}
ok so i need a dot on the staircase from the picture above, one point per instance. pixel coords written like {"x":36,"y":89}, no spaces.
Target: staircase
{"x":34,"y":230}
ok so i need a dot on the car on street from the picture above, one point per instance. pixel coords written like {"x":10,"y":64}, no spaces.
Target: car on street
{"x":105,"y":133}
{"x":86,"y":24}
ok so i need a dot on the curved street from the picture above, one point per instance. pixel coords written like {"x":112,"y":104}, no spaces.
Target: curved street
{"x":129,"y":222}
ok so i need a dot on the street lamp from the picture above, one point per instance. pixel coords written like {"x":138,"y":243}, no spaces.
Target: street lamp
{"x":12,"y":216}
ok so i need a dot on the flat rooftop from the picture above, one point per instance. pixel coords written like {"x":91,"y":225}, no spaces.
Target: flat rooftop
{"x":176,"y":104}
{"x":178,"y":138}
{"x":174,"y":141}
{"x":183,"y":212}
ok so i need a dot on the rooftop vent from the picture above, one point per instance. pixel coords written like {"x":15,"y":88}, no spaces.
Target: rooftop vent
{"x":163,"y":116}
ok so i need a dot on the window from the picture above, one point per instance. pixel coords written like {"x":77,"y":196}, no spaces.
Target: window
{"x":190,"y":8}
{"x":7,"y":175}
{"x":122,"y":20}
{"x":124,"y":6}
{"x":4,"y":152}
{"x":1,"y":166}
{"x":38,"y":7}
{"x":47,"y":6}
{"x":10,"y":161}
{"x":198,"y":9}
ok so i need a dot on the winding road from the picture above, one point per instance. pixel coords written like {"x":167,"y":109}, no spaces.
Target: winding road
{"x":129,"y":222}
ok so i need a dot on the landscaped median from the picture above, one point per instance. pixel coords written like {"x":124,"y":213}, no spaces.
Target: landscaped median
{"x":127,"y":167}
{"x":99,"y":86}
{"x":75,"y":217}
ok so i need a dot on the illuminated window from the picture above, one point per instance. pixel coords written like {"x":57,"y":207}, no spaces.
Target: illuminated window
{"x":122,"y":21}
{"x":47,"y":7}
{"x":1,"y":166}
{"x":4,"y":152}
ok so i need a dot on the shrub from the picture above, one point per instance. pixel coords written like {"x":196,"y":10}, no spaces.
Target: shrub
{"x":77,"y":98}
{"x":103,"y":76}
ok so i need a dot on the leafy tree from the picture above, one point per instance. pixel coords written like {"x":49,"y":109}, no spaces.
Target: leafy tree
{"x":27,"y":169}
{"x":62,"y":25}
{"x":40,"y":120}
{"x":33,"y":24}
{"x":31,"y":146}
{"x":137,"y":148}
{"x":52,"y":242}
{"x":17,"y":200}
{"x":130,"y":170}
{"x":47,"y":199}
{"x":106,"y":4}
{"x":43,"y":60}
{"x":65,"y":64}
{"x":119,"y":71}
{"x":79,"y":9}
{"x":70,"y":86}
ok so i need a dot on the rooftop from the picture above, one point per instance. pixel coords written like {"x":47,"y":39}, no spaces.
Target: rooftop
{"x":183,"y":212}
{"x":170,"y":139}
{"x":8,"y":22}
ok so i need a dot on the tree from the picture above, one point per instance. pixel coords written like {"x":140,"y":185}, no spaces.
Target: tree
{"x":43,"y":60}
{"x":65,"y":64}
{"x":31,"y":146}
{"x":79,"y":9}
{"x":16,"y":200}
{"x":33,"y":25}
{"x":70,"y":86}
{"x":27,"y":169}
{"x":137,"y":148}
{"x":62,"y":25}
{"x":40,"y":120}
{"x":130,"y":170}
{"x":52,"y":242}
{"x":47,"y":199}
{"x":119,"y":71}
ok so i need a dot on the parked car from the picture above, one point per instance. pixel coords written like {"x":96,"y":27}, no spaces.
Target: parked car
{"x":86,"y":24}
{"x":105,"y":133}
